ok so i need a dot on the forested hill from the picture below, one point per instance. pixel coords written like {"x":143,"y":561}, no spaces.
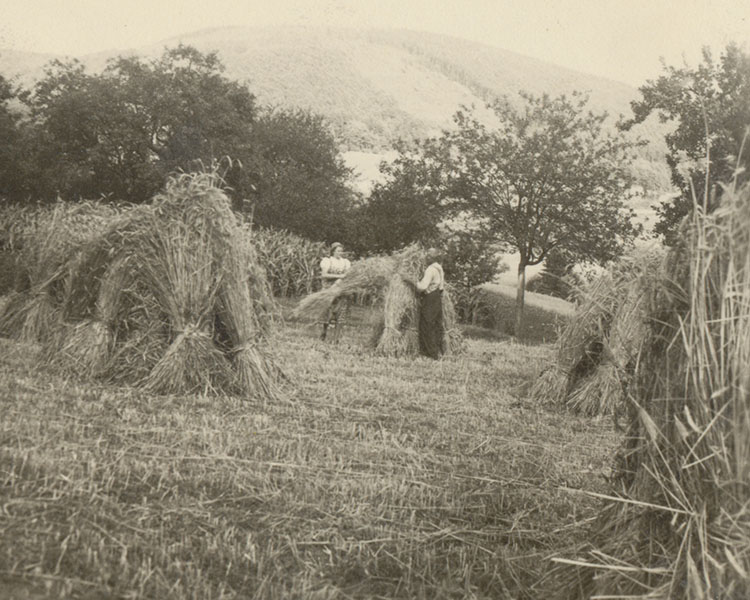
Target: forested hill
{"x":375,"y":86}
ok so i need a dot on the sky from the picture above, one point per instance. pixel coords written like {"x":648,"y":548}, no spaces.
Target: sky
{"x":623,"y":40}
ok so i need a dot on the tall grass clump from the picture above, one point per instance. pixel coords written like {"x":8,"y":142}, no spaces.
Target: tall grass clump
{"x":162,"y":299}
{"x":385,"y":278}
{"x":597,"y":350}
{"x":677,"y":524}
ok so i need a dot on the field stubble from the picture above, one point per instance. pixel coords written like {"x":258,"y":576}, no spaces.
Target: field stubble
{"x":370,"y":478}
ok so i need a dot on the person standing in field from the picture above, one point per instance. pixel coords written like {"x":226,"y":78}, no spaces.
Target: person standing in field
{"x":333,"y":268}
{"x":431,"y":287}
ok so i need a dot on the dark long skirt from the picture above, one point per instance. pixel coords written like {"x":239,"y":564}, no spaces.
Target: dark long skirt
{"x":431,"y":324}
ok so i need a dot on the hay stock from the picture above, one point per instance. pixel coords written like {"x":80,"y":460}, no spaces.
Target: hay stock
{"x":399,"y":334}
{"x":386,"y":279}
{"x":677,"y":524}
{"x":369,"y":275}
{"x":597,"y":350}
{"x":44,"y":239}
{"x":161,"y":298}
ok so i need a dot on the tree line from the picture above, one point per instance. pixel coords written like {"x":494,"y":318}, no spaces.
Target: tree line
{"x":119,"y":133}
{"x":548,"y":181}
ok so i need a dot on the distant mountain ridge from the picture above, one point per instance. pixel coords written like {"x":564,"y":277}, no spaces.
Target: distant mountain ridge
{"x":375,"y":86}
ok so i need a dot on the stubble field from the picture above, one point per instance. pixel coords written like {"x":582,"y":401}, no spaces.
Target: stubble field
{"x":369,"y":478}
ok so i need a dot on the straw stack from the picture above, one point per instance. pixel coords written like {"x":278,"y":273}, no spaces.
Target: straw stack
{"x":170,"y":298}
{"x":387,"y":279}
{"x":603,"y":391}
{"x":597,"y":350}
{"x":580,"y":344}
{"x":678,"y":523}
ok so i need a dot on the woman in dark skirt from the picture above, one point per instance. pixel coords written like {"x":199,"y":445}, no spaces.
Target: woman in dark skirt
{"x":431,"y":307}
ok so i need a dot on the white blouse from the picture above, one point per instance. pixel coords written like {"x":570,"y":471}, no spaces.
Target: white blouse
{"x":433,"y":279}
{"x":334,"y":266}
{"x":331,"y":265}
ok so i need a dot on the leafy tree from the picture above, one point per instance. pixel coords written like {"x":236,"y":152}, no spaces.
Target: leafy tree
{"x":9,"y":147}
{"x":710,"y":105}
{"x":122,"y":131}
{"x":295,"y":177}
{"x":545,"y":178}
{"x":410,"y":204}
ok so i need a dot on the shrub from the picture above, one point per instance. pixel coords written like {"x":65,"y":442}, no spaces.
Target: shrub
{"x":469,"y":261}
{"x":556,"y":278}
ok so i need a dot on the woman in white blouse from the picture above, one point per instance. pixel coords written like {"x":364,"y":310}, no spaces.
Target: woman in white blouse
{"x":431,"y":307}
{"x":333,"y":268}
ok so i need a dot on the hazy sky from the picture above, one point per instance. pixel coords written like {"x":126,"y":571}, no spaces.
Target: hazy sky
{"x":620,"y":39}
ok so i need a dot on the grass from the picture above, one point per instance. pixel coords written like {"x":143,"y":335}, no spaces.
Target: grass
{"x":371,"y":477}
{"x":532,"y":299}
{"x":543,"y":316}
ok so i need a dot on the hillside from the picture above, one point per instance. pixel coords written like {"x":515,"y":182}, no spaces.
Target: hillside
{"x":23,"y":68}
{"x":376,"y":86}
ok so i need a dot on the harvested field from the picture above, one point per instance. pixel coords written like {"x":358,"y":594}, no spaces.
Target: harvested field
{"x":371,"y":477}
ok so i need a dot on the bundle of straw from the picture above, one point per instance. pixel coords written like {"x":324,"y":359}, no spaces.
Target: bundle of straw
{"x":603,"y":391}
{"x":396,"y":333}
{"x":597,"y":350}
{"x":29,"y":315}
{"x":84,"y":347}
{"x":369,"y":275}
{"x":109,"y":257}
{"x":399,"y":335}
{"x":162,"y":299}
{"x":579,"y":345}
{"x":245,"y":329}
{"x":453,"y":338}
{"x":681,"y":525}
{"x":388,"y":280}
{"x":45,"y":241}
{"x":142,"y":338}
{"x":13,"y":315}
